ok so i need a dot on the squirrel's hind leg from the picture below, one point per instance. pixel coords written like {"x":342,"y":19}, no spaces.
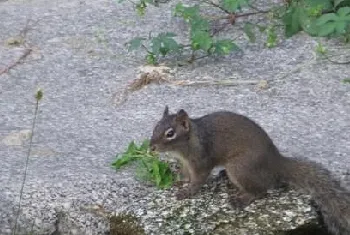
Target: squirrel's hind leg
{"x":251,"y":185}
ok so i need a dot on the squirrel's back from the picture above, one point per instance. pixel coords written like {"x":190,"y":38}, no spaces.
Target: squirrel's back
{"x":229,"y":134}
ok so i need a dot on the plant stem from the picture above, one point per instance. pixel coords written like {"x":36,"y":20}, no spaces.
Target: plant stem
{"x":251,"y":13}
{"x":26,"y":165}
{"x":144,"y":47}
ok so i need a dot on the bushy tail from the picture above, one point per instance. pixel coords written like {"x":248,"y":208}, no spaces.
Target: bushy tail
{"x":332,"y":199}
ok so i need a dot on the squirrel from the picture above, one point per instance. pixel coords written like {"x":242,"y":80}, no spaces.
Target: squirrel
{"x":251,"y":160}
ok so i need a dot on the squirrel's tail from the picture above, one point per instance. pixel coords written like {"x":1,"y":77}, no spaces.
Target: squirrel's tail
{"x":332,"y":199}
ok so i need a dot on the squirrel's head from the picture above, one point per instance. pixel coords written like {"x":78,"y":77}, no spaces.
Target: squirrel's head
{"x":171,"y":132}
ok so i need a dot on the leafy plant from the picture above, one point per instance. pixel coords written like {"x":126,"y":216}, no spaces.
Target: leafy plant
{"x":320,"y":49}
{"x":201,"y":39}
{"x":271,"y":37}
{"x":318,"y":18}
{"x":346,"y":80}
{"x":162,"y":44}
{"x":38,"y":96}
{"x":149,"y":166}
{"x":234,"y":5}
{"x":334,"y":23}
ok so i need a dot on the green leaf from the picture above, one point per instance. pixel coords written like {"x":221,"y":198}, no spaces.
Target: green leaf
{"x":337,"y":2}
{"x":122,"y":160}
{"x":179,"y":8}
{"x":151,"y":58}
{"x":145,"y":145}
{"x":271,"y":37}
{"x":135,"y":43}
{"x":131,"y":147}
{"x":199,"y":24}
{"x":156,"y":44}
{"x":326,"y":29}
{"x":170,"y":44}
{"x":332,"y":23}
{"x":141,"y":7}
{"x":320,"y":49}
{"x":234,"y":5}
{"x":344,"y":12}
{"x":201,"y":40}
{"x":346,"y":80}
{"x":344,"y":3}
{"x":248,"y":30}
{"x":166,"y":175}
{"x":149,"y":167}
{"x":224,"y":47}
{"x":326,"y":18}
{"x":164,"y":43}
{"x":187,"y":13}
{"x":317,"y":4}
{"x":340,"y":27}
{"x":155,"y":173}
{"x":293,"y":19}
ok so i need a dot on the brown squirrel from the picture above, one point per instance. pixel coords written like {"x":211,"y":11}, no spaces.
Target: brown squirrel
{"x":251,"y":161}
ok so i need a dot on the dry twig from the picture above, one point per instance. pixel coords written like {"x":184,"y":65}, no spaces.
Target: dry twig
{"x":26,"y":52}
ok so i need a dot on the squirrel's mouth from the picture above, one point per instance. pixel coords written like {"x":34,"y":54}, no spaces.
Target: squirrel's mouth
{"x":157,"y":148}
{"x":154,"y":147}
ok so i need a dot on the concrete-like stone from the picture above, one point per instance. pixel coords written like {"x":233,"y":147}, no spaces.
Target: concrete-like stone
{"x":80,"y":62}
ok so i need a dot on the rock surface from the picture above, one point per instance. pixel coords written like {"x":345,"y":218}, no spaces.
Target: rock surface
{"x":79,"y":60}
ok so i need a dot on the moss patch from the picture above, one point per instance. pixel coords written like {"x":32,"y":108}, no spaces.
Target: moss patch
{"x":125,"y":224}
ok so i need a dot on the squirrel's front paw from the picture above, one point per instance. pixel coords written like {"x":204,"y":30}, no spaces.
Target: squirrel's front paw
{"x":241,"y":200}
{"x":182,"y":194}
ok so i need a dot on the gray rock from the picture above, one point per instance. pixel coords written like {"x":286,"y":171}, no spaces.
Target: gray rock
{"x":79,"y":60}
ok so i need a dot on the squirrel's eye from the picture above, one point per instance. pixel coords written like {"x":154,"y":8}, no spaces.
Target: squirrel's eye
{"x":170,"y":134}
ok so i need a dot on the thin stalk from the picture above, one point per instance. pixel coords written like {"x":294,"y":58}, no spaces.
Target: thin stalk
{"x":38,"y":97}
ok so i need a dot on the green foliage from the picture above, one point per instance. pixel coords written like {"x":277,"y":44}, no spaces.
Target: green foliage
{"x":234,"y":5}
{"x":200,"y":36}
{"x":320,"y":49}
{"x":271,"y":37}
{"x":39,"y":94}
{"x":248,"y":30}
{"x":162,"y":44}
{"x":141,"y":7}
{"x":223,"y":47}
{"x":341,"y":3}
{"x":188,"y":13}
{"x":149,"y":166}
{"x":334,"y":23}
{"x":318,"y":18}
{"x":201,"y":40}
{"x":135,"y":43}
{"x":293,"y":20}
{"x":346,"y":80}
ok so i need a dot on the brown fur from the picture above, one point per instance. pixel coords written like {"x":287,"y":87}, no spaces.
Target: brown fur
{"x":252,"y":162}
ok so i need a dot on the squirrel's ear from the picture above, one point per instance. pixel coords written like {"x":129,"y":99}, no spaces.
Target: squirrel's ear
{"x":183,"y":119}
{"x":166,"y":111}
